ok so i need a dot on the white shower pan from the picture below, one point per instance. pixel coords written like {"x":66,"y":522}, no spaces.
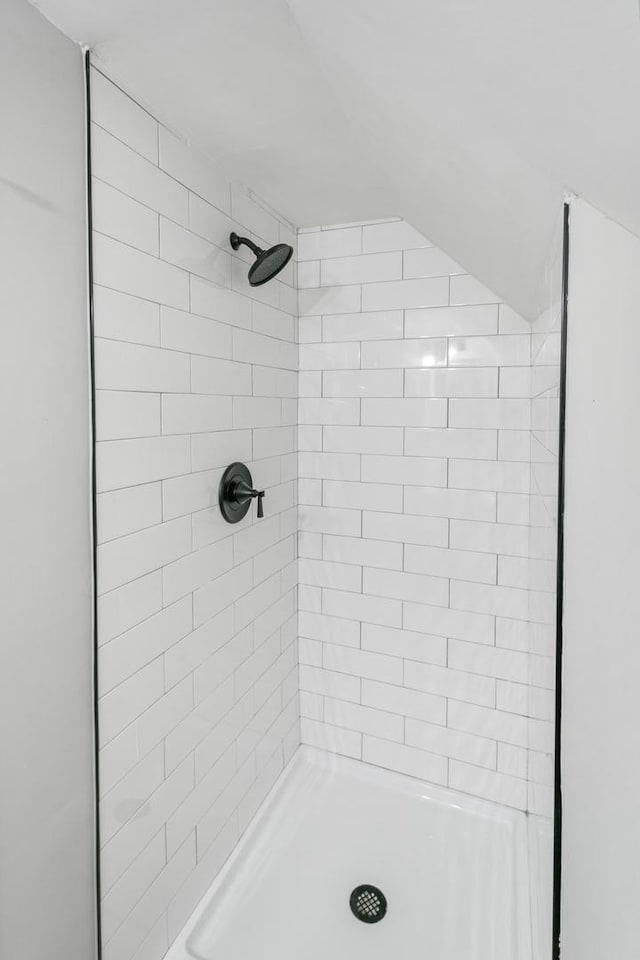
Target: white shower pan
{"x":453,"y":870}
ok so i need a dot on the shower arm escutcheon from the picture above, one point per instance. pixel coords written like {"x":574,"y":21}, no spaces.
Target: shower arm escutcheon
{"x":235,"y":493}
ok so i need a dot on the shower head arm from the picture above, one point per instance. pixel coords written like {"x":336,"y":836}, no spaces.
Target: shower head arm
{"x":236,"y":241}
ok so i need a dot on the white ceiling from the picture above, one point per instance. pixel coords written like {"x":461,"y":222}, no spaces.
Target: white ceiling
{"x":470,"y":118}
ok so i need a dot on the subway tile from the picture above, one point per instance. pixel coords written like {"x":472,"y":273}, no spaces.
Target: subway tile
{"x":453,"y":684}
{"x":446,"y":742}
{"x":329,"y":243}
{"x":436,"y":502}
{"x":403,"y":294}
{"x":118,"y":216}
{"x":514,"y":445}
{"x":191,"y":168}
{"x":363,"y":439}
{"x":189,"y":493}
{"x":503,"y":538}
{"x":405,"y":529}
{"x":451,"y":321}
{"x":404,"y":353}
{"x":405,"y":586}
{"x":128,"y":558}
{"x":186,"y":413}
{"x":381,"y":325}
{"x":123,"y":415}
{"x":429,"y":262}
{"x":497,"y":351}
{"x":128,"y":605}
{"x":493,"y":600}
{"x":458,"y":564}
{"x":329,"y":356}
{"x":404,"y":643}
{"x":497,"y":787}
{"x":347,"y":743}
{"x":367,"y":268}
{"x":373,"y":721}
{"x":129,"y":270}
{"x":404,"y":413}
{"x":327,"y":300}
{"x":385,"y":497}
{"x":114,"y":111}
{"x":308,"y":273}
{"x":210,"y":450}
{"x":466,"y":289}
{"x":476,"y":626}
{"x":119,"y":316}
{"x":319,"y":626}
{"x":428,"y":442}
{"x":133,"y":367}
{"x":412,"y":471}
{"x":358,"y":550}
{"x":334,"y":411}
{"x":128,"y":171}
{"x":494,"y":724}
{"x":515,"y":382}
{"x":329,"y":573}
{"x":219,"y":303}
{"x":128,"y":653}
{"x":403,"y":759}
{"x":206,"y":220}
{"x":514,"y":508}
{"x":188,"y":333}
{"x":489,"y":475}
{"x":362,"y":383}
{"x":190,"y":252}
{"x":362,"y":663}
{"x":354,"y":606}
{"x":405,"y":702}
{"x":249,"y":212}
{"x":329,"y":466}
{"x":394,"y":235}
{"x":188,"y":573}
{"x":490,"y":414}
{"x":271,"y":322}
{"x":117,"y":709}
{"x":489,"y":661}
{"x":252,"y":412}
{"x":329,"y":683}
{"x":480,"y":382}
{"x":250,"y":347}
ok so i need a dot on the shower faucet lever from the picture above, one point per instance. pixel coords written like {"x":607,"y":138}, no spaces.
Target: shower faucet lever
{"x":245,"y":492}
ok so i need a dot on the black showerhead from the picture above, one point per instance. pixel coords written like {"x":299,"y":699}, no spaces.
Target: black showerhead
{"x":268,"y":262}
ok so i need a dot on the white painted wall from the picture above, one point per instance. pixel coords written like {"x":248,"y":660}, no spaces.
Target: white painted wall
{"x":197,"y":660}
{"x":46,"y":720}
{"x":601,"y":718}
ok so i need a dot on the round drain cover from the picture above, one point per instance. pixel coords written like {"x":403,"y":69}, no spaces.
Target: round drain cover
{"x":368,"y":903}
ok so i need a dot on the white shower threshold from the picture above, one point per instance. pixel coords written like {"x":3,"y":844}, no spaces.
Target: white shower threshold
{"x":453,"y":870}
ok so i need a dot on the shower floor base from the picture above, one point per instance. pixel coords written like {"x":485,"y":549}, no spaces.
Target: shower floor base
{"x":453,"y":871}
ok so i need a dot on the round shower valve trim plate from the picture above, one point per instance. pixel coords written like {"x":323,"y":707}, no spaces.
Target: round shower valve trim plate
{"x":236,"y":491}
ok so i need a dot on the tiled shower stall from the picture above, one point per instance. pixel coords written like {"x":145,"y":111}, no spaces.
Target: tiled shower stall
{"x":395,"y":605}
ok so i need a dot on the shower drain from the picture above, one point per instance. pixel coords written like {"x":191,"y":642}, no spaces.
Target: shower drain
{"x":368,"y":903}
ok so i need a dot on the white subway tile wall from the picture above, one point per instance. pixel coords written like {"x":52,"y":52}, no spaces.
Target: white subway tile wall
{"x":426,"y":588}
{"x":197,"y":626}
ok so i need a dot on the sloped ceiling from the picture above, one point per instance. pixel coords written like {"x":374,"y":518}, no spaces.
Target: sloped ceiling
{"x":470,"y":118}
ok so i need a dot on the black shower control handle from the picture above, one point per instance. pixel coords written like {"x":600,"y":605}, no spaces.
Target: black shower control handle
{"x":244,"y":492}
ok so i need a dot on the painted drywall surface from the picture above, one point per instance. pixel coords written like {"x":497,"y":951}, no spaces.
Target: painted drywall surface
{"x":46,"y":719}
{"x":197,"y":669}
{"x":601,"y":719}
{"x":456,"y":116}
{"x":414,"y":548}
